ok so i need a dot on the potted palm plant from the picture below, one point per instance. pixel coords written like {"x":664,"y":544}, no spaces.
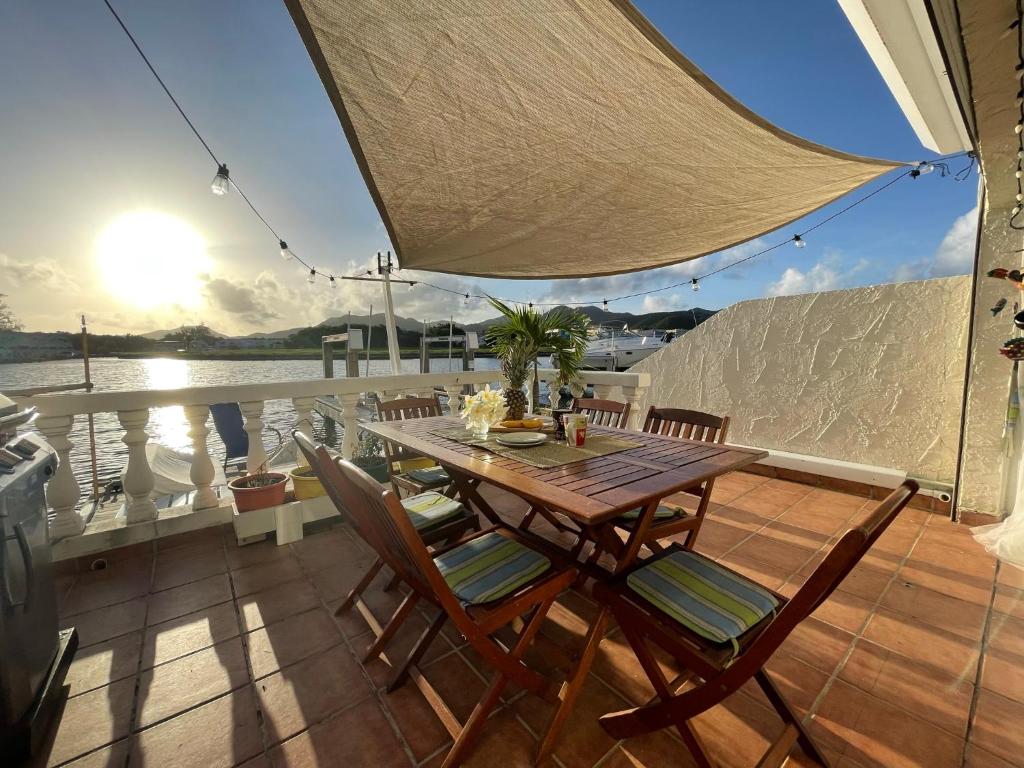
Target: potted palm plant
{"x":523,"y":335}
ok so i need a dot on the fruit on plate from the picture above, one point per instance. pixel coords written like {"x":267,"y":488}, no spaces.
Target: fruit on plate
{"x":512,"y":423}
{"x":532,"y":423}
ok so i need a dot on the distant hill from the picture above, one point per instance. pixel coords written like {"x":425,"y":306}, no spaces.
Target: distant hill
{"x":157,"y":335}
{"x":680,"y":319}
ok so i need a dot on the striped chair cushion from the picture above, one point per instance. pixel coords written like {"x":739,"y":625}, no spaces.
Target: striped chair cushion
{"x":712,"y":601}
{"x":489,"y":567}
{"x":430,"y":508}
{"x":432,"y":476}
{"x":663,"y":512}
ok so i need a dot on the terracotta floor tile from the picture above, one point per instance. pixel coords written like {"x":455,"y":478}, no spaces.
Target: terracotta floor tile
{"x":616,"y":664}
{"x":799,"y":682}
{"x":380,"y":603}
{"x":652,"y":750}
{"x":738,"y":731}
{"x":1009,"y":601}
{"x":210,"y":536}
{"x":306,"y":693}
{"x":256,"y":578}
{"x":175,"y":602}
{"x":253,"y":554}
{"x":945,"y":579}
{"x":503,"y":741}
{"x":186,"y":634}
{"x":767,"y":503}
{"x":1010,"y":576}
{"x":114,"y":756}
{"x":740,"y":518}
{"x":326,"y":549}
{"x":819,"y":644}
{"x":939,"y":610}
{"x":935,"y":696}
{"x":991,"y":729}
{"x":289,"y":640}
{"x":359,"y":737}
{"x":105,"y":623}
{"x":933,"y":647}
{"x":223,"y":732}
{"x":92,"y":720}
{"x":743,"y":561}
{"x":416,"y":721}
{"x":715,"y":538}
{"x":104,"y":663}
{"x":338,"y":580}
{"x":879,"y":735}
{"x":276,"y":603}
{"x":845,"y":610}
{"x":399,"y":648}
{"x":1003,"y":663}
{"x":117,"y":584}
{"x":186,"y":682}
{"x":178,"y":567}
{"x":898,"y":539}
{"x":781,"y":546}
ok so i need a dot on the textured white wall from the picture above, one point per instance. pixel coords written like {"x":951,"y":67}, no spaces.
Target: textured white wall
{"x":870,"y":375}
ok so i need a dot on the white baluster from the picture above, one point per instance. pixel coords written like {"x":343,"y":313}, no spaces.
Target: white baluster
{"x":202,"y":471}
{"x":350,"y":423}
{"x":62,"y":492}
{"x":632,"y":395}
{"x":304,"y":420}
{"x":138,"y":477}
{"x":253,"y":413}
{"x":454,"y":391}
{"x":603,"y":391}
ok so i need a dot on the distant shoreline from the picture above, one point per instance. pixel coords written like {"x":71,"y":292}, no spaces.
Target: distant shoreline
{"x":243,"y":355}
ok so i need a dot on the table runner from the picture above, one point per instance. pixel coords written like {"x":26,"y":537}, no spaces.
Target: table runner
{"x":546,"y":456}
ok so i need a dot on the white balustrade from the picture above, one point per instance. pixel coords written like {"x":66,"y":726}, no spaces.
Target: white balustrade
{"x":632,"y":396}
{"x":350,"y":423}
{"x":454,"y":392}
{"x":253,"y":413}
{"x":202,"y":471}
{"x":138,"y":477}
{"x":62,"y":492}
{"x":303,"y":420}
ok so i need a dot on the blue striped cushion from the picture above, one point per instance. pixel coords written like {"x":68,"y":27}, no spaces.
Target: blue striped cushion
{"x":430,"y":508}
{"x":661,"y":513}
{"x":488,"y":567}
{"x":712,"y":601}
{"x":430,"y":476}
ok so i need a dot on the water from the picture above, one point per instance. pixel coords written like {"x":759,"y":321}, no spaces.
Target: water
{"x":168,"y":426}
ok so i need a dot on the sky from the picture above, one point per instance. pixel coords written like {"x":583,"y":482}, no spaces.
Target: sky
{"x":93,"y":154}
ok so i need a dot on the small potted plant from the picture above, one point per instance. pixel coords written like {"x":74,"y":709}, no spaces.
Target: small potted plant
{"x":258,"y":490}
{"x":369,"y":457}
{"x":305,"y":483}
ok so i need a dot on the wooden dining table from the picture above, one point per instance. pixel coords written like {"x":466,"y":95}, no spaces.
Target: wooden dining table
{"x":582,"y":498}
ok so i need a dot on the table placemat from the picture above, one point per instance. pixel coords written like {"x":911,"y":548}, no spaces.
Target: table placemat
{"x":546,"y":456}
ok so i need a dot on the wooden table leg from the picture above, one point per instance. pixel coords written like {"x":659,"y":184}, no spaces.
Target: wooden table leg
{"x":574,"y":684}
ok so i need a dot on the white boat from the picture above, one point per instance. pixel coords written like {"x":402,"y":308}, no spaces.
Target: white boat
{"x":614,"y":350}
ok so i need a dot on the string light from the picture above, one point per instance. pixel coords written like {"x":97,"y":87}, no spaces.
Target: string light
{"x":605,"y":304}
{"x":221,"y":183}
{"x":465,"y":302}
{"x":694,"y":285}
{"x":1018,"y":129}
{"x":333,"y":283}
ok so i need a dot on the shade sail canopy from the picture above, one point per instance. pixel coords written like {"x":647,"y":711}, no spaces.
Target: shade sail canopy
{"x":553,"y":138}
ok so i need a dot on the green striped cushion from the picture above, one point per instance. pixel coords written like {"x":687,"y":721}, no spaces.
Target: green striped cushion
{"x":431,"y":476}
{"x":704,"y":597}
{"x":661,"y":513}
{"x":430,"y":508}
{"x":488,"y":567}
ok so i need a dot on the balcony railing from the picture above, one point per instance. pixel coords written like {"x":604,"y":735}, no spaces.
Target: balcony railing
{"x":58,"y":413}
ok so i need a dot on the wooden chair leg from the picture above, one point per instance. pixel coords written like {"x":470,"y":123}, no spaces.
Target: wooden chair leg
{"x":401,"y":673}
{"x":393,"y":582}
{"x":802,"y":737}
{"x":360,"y":587}
{"x":524,"y":525}
{"x":397,"y":619}
{"x":573,"y":685}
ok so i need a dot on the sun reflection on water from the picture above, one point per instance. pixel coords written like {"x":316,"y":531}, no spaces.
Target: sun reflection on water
{"x":168,"y":426}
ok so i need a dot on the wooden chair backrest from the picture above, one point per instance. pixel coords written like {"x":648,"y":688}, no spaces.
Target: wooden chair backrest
{"x":687,"y":424}
{"x":401,"y":409}
{"x":402,"y":547}
{"x":603,"y":413}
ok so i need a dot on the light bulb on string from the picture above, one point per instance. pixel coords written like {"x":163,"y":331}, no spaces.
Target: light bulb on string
{"x":799,"y":242}
{"x":312,"y":275}
{"x":605,"y":303}
{"x":925,"y":168}
{"x":285,"y":253}
{"x":334,"y":284}
{"x":412,"y":284}
{"x":465,"y":301}
{"x":221,"y":183}
{"x":694,"y":285}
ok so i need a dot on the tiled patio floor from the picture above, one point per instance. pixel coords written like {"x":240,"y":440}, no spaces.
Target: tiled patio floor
{"x":196,"y":652}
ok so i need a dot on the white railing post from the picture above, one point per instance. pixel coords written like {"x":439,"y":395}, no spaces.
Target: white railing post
{"x":202,"y":472}
{"x":632,"y":395}
{"x":303,"y":421}
{"x":454,"y":391}
{"x":350,"y":423}
{"x":603,"y":391}
{"x":253,"y":413}
{"x":138,"y":477}
{"x":62,"y":492}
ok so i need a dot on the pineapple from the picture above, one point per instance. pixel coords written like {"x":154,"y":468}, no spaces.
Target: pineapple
{"x":515,"y":366}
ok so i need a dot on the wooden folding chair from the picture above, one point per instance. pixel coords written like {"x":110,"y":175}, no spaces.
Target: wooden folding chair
{"x":723,"y":628}
{"x":484,"y":582}
{"x":670,"y":518}
{"x":420,"y":478}
{"x":602,"y":413}
{"x":437,"y":519}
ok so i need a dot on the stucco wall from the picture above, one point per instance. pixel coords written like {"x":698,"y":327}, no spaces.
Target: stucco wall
{"x":871,"y":375}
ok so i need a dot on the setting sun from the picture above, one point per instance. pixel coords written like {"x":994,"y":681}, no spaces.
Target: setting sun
{"x":151,"y":259}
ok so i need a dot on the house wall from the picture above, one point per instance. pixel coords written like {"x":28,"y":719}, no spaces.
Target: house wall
{"x":870,"y":375}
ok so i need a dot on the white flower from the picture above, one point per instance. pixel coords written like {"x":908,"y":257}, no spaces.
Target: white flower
{"x":485,"y":408}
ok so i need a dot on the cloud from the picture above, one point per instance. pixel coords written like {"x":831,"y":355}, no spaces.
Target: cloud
{"x":249,"y":303}
{"x":827,"y":274}
{"x":954,"y":256}
{"x":41,"y":273}
{"x":657,"y":303}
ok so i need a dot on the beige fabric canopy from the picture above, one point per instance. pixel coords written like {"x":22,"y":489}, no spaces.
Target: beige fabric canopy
{"x":553,"y":138}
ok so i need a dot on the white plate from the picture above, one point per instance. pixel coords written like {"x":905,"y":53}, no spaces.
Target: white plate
{"x":521,"y":439}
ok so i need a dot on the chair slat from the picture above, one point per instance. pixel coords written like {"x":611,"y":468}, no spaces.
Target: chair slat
{"x":603,"y":413}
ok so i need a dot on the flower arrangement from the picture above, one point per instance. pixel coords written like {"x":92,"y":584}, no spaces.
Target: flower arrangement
{"x":483,"y":410}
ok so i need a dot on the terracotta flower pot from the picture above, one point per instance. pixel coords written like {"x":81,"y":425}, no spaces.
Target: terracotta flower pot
{"x":305,"y":483}
{"x":261,"y":496}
